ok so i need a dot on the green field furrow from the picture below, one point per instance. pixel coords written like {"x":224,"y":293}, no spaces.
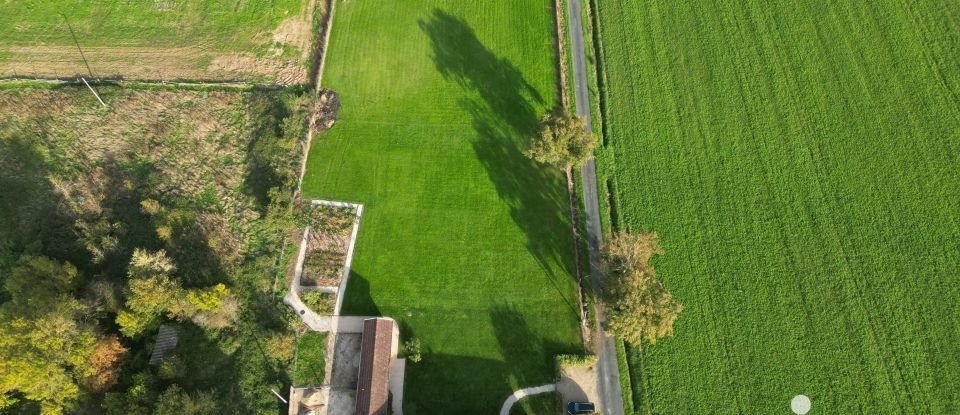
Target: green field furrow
{"x":798,"y":160}
{"x":246,"y":40}
{"x":464,"y":240}
{"x":218,"y":25}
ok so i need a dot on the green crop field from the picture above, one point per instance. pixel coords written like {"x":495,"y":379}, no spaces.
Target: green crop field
{"x":799,"y":161}
{"x":165,"y":39}
{"x":463,"y":239}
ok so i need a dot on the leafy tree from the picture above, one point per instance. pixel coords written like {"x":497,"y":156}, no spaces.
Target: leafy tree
{"x":153,"y":293}
{"x":145,"y":264}
{"x":639,"y":308}
{"x":139,"y":398}
{"x":147,"y":299}
{"x":171,"y":367}
{"x":36,"y":282}
{"x":45,"y":343}
{"x":212,"y":308}
{"x":174,"y":401}
{"x":99,"y":237}
{"x":104,"y":361}
{"x":209,"y":299}
{"x":563,"y":141}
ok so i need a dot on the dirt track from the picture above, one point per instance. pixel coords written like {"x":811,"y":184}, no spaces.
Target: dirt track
{"x":147,"y":63}
{"x":199,"y":62}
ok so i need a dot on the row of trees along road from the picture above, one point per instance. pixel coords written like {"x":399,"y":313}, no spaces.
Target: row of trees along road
{"x":639,"y":308}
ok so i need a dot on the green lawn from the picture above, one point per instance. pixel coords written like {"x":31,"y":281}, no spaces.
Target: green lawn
{"x":464,"y":241}
{"x":310,"y":359}
{"x":799,"y":161}
{"x":541,"y":404}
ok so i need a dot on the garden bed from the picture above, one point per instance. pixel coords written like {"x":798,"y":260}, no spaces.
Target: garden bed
{"x":328,"y":241}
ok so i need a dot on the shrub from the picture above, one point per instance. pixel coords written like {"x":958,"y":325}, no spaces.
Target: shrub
{"x":576,"y":359}
{"x":411,"y":350}
{"x":321,"y":303}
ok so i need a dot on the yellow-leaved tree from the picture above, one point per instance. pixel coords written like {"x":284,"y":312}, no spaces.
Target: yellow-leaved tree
{"x":47,"y":340}
{"x":639,"y":308}
{"x":152,"y":293}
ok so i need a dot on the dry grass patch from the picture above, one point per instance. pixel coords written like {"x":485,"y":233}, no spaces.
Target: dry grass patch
{"x":269,"y":42}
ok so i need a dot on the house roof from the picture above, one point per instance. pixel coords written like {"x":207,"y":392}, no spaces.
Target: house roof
{"x":373,"y":382}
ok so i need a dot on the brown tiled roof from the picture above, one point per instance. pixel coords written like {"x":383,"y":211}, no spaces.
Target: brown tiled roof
{"x":374,"y":379}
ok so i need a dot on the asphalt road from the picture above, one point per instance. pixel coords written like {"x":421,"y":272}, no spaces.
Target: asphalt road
{"x":609,"y":374}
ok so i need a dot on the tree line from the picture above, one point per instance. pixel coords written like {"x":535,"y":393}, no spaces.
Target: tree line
{"x":639,"y":308}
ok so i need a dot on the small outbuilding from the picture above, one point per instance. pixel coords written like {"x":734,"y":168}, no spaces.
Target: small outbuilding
{"x":166,"y":342}
{"x":373,"y":382}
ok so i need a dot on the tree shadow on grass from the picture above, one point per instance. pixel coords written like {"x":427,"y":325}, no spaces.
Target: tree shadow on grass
{"x":30,"y":220}
{"x":442,"y":382}
{"x":529,"y":357}
{"x":460,"y":56}
{"x":268,"y":161}
{"x":505,"y":117}
{"x":357,"y":301}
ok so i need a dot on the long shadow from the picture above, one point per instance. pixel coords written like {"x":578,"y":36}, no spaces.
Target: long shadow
{"x":198,"y":265}
{"x":268,"y":162}
{"x":32,"y":220}
{"x":505,"y":117}
{"x":436,"y":371}
{"x":529,"y":358}
{"x":460,"y":56}
{"x":36,"y":219}
{"x":357,"y":300}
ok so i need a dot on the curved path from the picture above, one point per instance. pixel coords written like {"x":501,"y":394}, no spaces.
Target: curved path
{"x":523,"y":393}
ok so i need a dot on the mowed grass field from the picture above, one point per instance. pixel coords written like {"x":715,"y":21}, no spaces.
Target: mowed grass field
{"x":463,"y":240}
{"x":165,"y":39}
{"x":799,"y":161}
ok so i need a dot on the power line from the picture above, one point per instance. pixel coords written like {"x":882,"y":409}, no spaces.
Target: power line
{"x":75,"y":42}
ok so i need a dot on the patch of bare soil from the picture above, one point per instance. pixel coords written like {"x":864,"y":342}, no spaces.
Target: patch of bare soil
{"x":295,"y":31}
{"x":578,"y":383}
{"x":326,"y":108}
{"x":167,"y":64}
{"x":245,"y":66}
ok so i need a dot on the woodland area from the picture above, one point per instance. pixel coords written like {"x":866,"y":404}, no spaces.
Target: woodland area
{"x":164,"y":207}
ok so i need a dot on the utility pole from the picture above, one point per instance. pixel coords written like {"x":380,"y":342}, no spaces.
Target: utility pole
{"x":278,"y":395}
{"x":82,"y":56}
{"x":75,"y":42}
{"x":91,"y":90}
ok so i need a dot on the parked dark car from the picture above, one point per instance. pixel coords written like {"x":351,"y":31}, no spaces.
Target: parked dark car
{"x":577,"y":408}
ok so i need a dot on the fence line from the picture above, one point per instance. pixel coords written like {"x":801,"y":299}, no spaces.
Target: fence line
{"x":122,"y":82}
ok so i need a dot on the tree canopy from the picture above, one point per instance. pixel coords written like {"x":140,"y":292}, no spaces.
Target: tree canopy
{"x":639,"y":308}
{"x":46,"y":344}
{"x":152,"y":293}
{"x":563,"y":141}
{"x":183,"y":220}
